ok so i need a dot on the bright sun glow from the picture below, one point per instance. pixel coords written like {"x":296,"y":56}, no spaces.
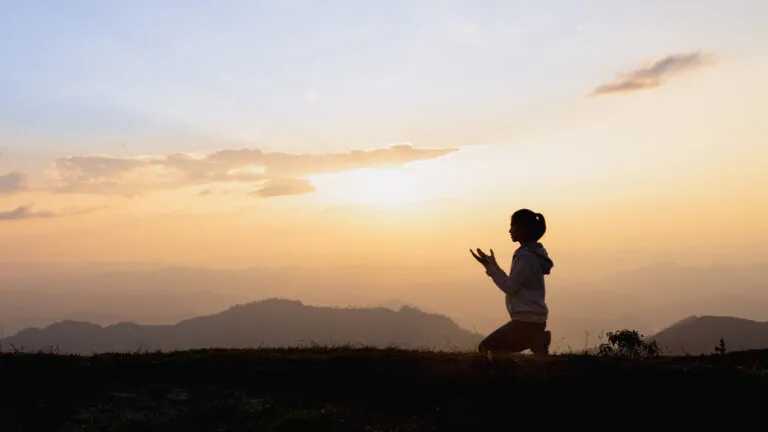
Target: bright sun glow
{"x":386,"y":187}
{"x":390,"y":187}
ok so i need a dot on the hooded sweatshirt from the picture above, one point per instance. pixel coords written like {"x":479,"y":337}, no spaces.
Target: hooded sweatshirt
{"x":524,"y":287}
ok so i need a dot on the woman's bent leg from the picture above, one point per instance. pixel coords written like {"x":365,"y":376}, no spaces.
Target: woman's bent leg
{"x":512,"y":337}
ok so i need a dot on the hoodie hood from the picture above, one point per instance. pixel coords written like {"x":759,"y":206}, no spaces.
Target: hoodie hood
{"x":538,"y":250}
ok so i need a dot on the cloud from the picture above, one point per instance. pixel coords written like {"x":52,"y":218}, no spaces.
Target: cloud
{"x":13,"y":182}
{"x":284,"y":187}
{"x":26,"y":212}
{"x":212,"y":191}
{"x":134,"y":176}
{"x":654,"y":74}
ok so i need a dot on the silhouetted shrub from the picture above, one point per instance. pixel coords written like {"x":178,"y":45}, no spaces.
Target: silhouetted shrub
{"x":628,"y":343}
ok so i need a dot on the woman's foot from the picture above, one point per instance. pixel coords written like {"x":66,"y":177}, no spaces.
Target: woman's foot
{"x":541,"y":347}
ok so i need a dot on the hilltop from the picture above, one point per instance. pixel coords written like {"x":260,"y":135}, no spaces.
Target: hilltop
{"x":368,"y":389}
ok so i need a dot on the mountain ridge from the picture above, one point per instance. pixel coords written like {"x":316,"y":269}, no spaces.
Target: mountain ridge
{"x":265,"y":323}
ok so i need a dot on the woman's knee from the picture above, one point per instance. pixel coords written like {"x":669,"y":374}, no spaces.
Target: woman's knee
{"x":484,"y":346}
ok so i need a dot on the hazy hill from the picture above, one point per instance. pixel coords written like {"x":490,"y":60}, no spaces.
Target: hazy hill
{"x":397,"y":304}
{"x":700,"y":335}
{"x":268,"y":323}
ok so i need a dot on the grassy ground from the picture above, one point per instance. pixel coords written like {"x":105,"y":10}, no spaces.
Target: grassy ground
{"x":368,"y":389}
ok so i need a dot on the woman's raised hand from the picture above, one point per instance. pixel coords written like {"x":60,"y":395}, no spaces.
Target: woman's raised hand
{"x":483,"y":258}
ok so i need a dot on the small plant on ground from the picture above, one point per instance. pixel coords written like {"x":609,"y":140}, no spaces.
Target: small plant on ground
{"x":628,"y":343}
{"x":721,"y":348}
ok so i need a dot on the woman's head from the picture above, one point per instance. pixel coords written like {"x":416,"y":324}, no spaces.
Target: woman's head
{"x":527,"y":226}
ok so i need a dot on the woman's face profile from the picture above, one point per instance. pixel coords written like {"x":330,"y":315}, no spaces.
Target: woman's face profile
{"x":514,"y":232}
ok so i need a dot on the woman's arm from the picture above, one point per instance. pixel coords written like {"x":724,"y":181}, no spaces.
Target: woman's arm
{"x":521,"y":269}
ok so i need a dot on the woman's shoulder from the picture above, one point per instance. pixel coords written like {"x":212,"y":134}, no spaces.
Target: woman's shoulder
{"x":524,"y":254}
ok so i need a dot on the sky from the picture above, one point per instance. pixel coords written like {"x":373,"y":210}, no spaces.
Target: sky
{"x":329,"y":133}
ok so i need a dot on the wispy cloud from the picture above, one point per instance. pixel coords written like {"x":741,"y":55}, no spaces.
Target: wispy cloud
{"x":13,"y":182}
{"x":24,"y":212}
{"x":276,"y":172}
{"x":213,"y":191}
{"x":283,"y":187}
{"x":654,"y":74}
{"x":27,"y":212}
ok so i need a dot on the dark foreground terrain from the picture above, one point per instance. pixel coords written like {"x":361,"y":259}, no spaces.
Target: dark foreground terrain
{"x":374,"y":390}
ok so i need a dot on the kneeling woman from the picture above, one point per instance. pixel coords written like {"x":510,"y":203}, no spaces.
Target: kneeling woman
{"x":524,"y":288}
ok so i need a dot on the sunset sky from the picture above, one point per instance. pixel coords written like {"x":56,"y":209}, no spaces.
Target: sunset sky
{"x":323,"y":133}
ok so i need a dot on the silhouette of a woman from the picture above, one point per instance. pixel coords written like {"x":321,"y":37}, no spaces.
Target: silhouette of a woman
{"x":524,"y":288}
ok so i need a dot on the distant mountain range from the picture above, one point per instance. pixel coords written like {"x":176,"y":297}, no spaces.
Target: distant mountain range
{"x":268,"y":323}
{"x":288,"y":323}
{"x":582,"y":309}
{"x":700,"y":335}
{"x":397,"y":304}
